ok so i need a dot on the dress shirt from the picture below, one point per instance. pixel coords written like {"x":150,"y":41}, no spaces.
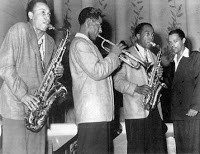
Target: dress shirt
{"x":143,"y":53}
{"x":185,"y":54}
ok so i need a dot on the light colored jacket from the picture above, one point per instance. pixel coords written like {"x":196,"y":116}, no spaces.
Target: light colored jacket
{"x":126,"y":80}
{"x":20,"y":67}
{"x":91,"y":81}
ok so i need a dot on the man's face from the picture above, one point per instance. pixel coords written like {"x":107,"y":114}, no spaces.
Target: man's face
{"x":95,"y":28}
{"x":176,"y":43}
{"x":40,"y":16}
{"x":146,"y":36}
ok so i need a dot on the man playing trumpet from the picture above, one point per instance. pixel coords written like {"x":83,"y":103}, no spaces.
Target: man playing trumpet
{"x":92,"y":84}
{"x":144,"y":128}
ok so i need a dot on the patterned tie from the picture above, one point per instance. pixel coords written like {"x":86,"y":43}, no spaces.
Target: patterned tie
{"x":41,"y":50}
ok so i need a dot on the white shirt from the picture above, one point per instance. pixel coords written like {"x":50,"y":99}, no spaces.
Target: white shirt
{"x":185,"y":54}
{"x":144,"y":54}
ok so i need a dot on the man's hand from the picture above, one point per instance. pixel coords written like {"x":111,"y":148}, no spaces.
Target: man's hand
{"x":192,"y":113}
{"x":30,"y":101}
{"x":59,"y":70}
{"x":143,"y":90}
{"x":117,"y":49}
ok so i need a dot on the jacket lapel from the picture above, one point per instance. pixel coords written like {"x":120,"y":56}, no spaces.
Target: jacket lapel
{"x":49,"y":48}
{"x":182,"y":67}
{"x":134,"y":52}
{"x":33,"y":41}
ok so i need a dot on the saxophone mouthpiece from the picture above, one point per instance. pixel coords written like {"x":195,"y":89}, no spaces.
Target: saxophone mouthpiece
{"x":153,"y":44}
{"x":51,"y":27}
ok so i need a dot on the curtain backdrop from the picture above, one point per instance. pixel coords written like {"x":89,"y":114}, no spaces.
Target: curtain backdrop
{"x":121,"y":17}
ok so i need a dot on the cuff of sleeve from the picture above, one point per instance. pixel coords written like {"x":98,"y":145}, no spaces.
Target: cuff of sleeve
{"x":132,"y":89}
{"x":20,"y":96}
{"x":197,"y":108}
{"x":115,"y":57}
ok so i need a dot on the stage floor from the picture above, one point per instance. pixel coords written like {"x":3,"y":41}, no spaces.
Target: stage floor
{"x":59,"y":134}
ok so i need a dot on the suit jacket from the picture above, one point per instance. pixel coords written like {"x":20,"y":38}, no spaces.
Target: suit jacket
{"x":126,"y":80}
{"x":186,"y":87}
{"x":21,"y":68}
{"x":92,"y":85}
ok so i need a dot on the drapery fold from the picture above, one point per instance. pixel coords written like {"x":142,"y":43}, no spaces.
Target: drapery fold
{"x":124,"y":15}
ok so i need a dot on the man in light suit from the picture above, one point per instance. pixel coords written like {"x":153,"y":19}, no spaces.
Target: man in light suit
{"x":25,"y":55}
{"x":144,"y":129}
{"x":92,"y":84}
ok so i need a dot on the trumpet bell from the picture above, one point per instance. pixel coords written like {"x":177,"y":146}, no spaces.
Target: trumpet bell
{"x":126,"y":57}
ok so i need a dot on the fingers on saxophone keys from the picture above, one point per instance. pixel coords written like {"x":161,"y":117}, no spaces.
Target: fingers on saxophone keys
{"x":33,"y":103}
{"x":30,"y":106}
{"x":146,"y":90}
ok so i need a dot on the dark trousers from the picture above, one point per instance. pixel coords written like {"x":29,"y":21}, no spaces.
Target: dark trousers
{"x":93,"y":138}
{"x":187,"y":136}
{"x":146,"y":135}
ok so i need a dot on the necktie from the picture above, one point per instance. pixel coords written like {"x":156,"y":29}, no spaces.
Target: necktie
{"x":145,"y":55}
{"x":41,"y":49}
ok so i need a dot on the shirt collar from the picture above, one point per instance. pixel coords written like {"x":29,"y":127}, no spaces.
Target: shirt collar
{"x":82,"y":35}
{"x":185,"y":54}
{"x":41,"y":40}
{"x":140,"y":49}
{"x":144,"y":53}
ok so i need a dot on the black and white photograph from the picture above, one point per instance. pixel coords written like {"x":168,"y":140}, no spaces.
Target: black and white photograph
{"x":99,"y":77}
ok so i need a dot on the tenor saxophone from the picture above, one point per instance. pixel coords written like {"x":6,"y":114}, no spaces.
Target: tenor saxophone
{"x":151,"y":100}
{"x":49,"y":89}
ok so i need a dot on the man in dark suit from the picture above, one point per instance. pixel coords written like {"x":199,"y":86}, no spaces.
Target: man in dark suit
{"x":185,"y":95}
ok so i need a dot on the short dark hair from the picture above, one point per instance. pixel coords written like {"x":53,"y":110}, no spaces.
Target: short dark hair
{"x":178,"y":31}
{"x":31,"y":5}
{"x":140,"y":26}
{"x":89,"y":12}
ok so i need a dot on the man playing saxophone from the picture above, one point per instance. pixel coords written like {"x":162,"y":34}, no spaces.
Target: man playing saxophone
{"x":24,"y":57}
{"x":144,"y":128}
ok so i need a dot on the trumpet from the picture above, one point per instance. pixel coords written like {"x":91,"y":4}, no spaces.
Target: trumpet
{"x":126,"y":57}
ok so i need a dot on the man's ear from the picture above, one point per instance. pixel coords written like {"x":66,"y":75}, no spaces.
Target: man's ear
{"x":30,"y":15}
{"x":138,"y":36}
{"x":184,"y":40}
{"x":88,"y":22}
